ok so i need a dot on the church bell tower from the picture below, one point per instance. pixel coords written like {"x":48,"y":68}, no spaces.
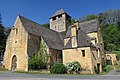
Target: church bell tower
{"x":60,"y":21}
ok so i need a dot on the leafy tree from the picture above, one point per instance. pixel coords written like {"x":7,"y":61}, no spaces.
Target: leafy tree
{"x":111,"y":37}
{"x":72,"y":21}
{"x":47,"y":25}
{"x":7,"y":31}
{"x":2,"y":37}
{"x":39,"y":61}
{"x":110,"y":17}
{"x":88,"y":17}
{"x":43,"y":52}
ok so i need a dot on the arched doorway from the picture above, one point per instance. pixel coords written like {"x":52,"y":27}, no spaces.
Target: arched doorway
{"x":14,"y":63}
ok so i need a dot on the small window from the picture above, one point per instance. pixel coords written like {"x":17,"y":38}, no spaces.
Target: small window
{"x":16,"y":31}
{"x":59,"y":16}
{"x":54,"y":18}
{"x":83,"y":53}
{"x":15,"y":41}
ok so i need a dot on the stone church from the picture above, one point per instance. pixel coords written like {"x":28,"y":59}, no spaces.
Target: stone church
{"x":65,"y":42}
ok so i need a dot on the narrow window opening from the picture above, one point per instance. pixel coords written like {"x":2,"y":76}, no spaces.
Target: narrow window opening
{"x":59,"y":16}
{"x":16,"y":31}
{"x":83,"y":53}
{"x":54,"y":18}
{"x":15,"y":41}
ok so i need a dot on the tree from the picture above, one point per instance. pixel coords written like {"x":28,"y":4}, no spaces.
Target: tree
{"x":7,"y":31}
{"x":47,"y":25}
{"x":39,"y":61}
{"x":110,"y":17}
{"x":2,"y":37}
{"x":72,"y":21}
{"x":43,"y":51}
{"x":88,"y":17}
{"x":111,"y":38}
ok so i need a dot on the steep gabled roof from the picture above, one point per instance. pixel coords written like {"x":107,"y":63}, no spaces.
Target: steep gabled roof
{"x":51,"y":37}
{"x":68,"y":33}
{"x":62,"y":35}
{"x":68,"y":45}
{"x":89,"y":26}
{"x":82,"y":41}
{"x":61,"y":11}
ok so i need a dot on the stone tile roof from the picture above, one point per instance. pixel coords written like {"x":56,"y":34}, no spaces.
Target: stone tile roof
{"x":52,"y":38}
{"x":68,"y":45}
{"x":61,"y":11}
{"x":62,"y":35}
{"x":82,"y":41}
{"x":89,"y":26}
{"x":68,"y":33}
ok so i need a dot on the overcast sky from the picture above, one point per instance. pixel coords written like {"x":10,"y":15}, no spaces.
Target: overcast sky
{"x":41,"y":10}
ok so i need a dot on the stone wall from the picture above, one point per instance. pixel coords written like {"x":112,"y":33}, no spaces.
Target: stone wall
{"x":33,"y":44}
{"x":70,"y":55}
{"x":112,"y":57}
{"x":55,"y":56}
{"x":60,"y":24}
{"x":17,"y":45}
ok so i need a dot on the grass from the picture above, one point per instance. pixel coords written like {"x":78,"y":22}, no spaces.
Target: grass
{"x":34,"y":72}
{"x":108,"y":68}
{"x":3,"y":69}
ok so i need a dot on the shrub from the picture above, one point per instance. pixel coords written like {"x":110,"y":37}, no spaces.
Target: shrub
{"x":36,"y":63}
{"x":58,"y":68}
{"x":73,"y":67}
{"x":108,"y":68}
{"x":39,"y":61}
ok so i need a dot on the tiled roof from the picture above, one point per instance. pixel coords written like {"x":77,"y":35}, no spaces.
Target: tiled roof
{"x":52,"y":38}
{"x":82,"y":41}
{"x":89,"y":26}
{"x":61,"y":11}
{"x":68,"y":33}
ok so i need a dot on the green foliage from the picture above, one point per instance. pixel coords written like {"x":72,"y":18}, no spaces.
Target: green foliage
{"x":72,"y":21}
{"x":58,"y":68}
{"x":73,"y":67}
{"x":118,"y":54}
{"x":2,"y":37}
{"x":7,"y":31}
{"x":108,"y":68}
{"x":111,"y":38}
{"x":47,"y":25}
{"x":39,"y":61}
{"x":88,"y":17}
{"x":36,"y":63}
{"x":3,"y":69}
{"x":108,"y":17}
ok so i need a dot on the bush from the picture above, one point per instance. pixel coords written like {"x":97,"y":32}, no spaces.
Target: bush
{"x":108,"y":68}
{"x":36,"y":63}
{"x":58,"y":68}
{"x":73,"y":67}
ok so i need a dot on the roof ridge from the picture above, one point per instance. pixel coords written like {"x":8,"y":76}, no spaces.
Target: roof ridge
{"x":58,"y":12}
{"x":51,"y":37}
